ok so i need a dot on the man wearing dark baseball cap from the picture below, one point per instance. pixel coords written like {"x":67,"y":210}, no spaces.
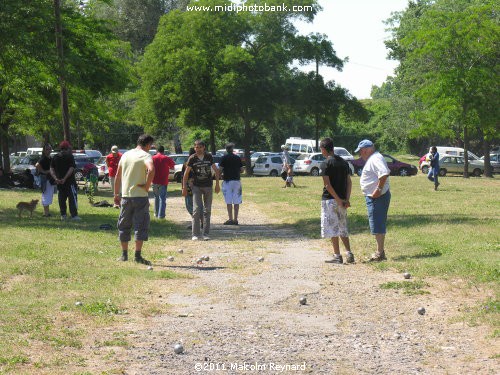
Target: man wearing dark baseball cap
{"x":374,"y":184}
{"x":62,"y":169}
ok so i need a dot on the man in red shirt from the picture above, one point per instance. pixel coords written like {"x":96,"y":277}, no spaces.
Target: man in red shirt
{"x":162,"y":164}
{"x":112,"y":161}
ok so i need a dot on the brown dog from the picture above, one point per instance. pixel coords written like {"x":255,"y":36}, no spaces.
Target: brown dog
{"x":27,"y":206}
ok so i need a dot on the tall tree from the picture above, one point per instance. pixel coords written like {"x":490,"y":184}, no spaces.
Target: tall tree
{"x":448,"y":51}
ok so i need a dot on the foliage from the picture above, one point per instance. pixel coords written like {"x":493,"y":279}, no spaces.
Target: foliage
{"x":448,"y":52}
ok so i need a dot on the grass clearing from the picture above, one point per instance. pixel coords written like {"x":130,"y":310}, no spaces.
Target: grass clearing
{"x":451,"y":233}
{"x":408,"y":287}
{"x":46,"y":265}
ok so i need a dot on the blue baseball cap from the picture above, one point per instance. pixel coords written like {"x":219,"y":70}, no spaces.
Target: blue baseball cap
{"x":363,"y":144}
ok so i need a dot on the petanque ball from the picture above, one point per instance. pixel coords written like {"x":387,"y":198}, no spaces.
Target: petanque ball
{"x":261,"y":259}
{"x":180,"y":251}
{"x":206,"y":258}
{"x":303,"y":300}
{"x":78,"y":303}
{"x":407,"y":275}
{"x":150,"y":268}
{"x":171,"y":258}
{"x":421,"y":310}
{"x":178,"y":349}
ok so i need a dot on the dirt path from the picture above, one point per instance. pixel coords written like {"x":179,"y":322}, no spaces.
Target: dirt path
{"x":241,"y":316}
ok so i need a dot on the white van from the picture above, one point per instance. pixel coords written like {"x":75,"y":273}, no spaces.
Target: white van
{"x":34,"y":151}
{"x":297,"y":144}
{"x":456,"y":151}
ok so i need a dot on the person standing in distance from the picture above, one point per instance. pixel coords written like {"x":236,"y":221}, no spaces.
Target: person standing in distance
{"x":434,"y":170}
{"x":202,"y":164}
{"x":134,"y":176}
{"x":231,"y":166}
{"x":335,"y":201}
{"x":47,"y":183}
{"x":112,"y":161}
{"x":62,"y":169}
{"x":163,"y":164}
{"x":374,"y":184}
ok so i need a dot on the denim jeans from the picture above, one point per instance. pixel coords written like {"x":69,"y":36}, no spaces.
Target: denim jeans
{"x":202,"y":207}
{"x":433,"y":175}
{"x":160,"y":192}
{"x":377,"y":212}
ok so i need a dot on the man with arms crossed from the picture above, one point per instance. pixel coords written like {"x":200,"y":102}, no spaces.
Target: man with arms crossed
{"x":335,"y":201}
{"x":231,"y":166}
{"x":202,"y":164}
{"x":374,"y":183}
{"x":134,"y":176}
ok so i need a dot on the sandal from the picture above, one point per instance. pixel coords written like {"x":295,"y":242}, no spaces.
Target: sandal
{"x":377,"y":257}
{"x":228,"y":222}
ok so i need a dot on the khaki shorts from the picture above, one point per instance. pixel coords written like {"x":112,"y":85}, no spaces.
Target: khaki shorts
{"x":134,"y":212}
{"x":333,"y":219}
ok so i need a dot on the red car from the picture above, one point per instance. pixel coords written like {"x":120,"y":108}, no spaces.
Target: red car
{"x":398,"y":168}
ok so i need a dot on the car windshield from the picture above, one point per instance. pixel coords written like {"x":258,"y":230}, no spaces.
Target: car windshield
{"x":261,"y":159}
{"x":303,"y":157}
{"x":102,"y":160}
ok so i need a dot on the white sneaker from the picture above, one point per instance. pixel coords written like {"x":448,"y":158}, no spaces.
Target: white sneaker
{"x":206,"y":238}
{"x":76,"y":218}
{"x":194,"y":238}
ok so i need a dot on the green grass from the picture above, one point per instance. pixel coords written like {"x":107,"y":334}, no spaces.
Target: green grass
{"x":409,"y":287}
{"x":46,"y":265}
{"x":450,"y":234}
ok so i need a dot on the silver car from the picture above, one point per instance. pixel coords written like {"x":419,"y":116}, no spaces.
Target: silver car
{"x":455,"y":164}
{"x":268,"y":165}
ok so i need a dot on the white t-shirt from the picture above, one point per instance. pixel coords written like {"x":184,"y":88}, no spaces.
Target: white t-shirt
{"x":374,"y":169}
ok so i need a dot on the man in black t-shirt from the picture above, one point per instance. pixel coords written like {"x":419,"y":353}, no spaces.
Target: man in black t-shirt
{"x":335,"y":201}
{"x":202,"y":164}
{"x":231,"y":165}
{"x":62,"y":169}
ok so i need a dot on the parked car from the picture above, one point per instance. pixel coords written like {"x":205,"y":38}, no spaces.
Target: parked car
{"x":269,"y":165}
{"x":455,"y":164}
{"x":308,"y":164}
{"x":311,"y":163}
{"x":176,"y":173}
{"x":23,"y":164}
{"x":398,"y":168}
{"x":102,"y":168}
{"x":257,"y":154}
{"x":494,"y":161}
{"x":83,"y":166}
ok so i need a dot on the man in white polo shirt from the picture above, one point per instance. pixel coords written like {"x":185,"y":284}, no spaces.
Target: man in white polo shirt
{"x":374,"y":183}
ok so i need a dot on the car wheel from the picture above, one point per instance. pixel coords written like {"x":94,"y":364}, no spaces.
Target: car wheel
{"x":477,"y":172}
{"x":274,"y":173}
{"x":442,"y":172}
{"x":315,"y":172}
{"x":178,"y":178}
{"x":403,"y":172}
{"x":79,"y":175}
{"x":425,"y":169}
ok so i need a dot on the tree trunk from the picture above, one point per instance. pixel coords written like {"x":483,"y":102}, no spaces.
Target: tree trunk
{"x":488,"y":171}
{"x":212,"y":139}
{"x":62,"y":78}
{"x":246,"y":145}
{"x":4,"y":140}
{"x":177,"y":143}
{"x":466,"y":152}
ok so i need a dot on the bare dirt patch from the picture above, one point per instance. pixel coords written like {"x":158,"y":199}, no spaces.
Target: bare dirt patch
{"x":236,"y":312}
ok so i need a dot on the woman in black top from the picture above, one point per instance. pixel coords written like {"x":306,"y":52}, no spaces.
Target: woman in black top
{"x":46,"y":181}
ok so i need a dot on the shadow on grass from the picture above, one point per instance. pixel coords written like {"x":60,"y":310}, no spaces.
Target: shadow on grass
{"x":196,"y":268}
{"x":423,"y":255}
{"x":359,"y":223}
